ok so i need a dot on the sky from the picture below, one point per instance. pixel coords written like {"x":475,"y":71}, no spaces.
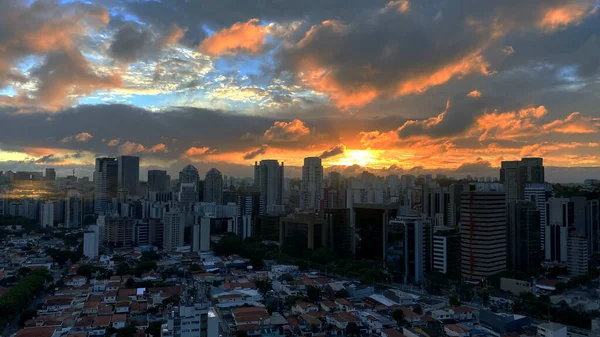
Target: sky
{"x":400,"y":86}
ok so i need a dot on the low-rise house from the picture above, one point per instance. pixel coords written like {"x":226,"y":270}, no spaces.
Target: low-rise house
{"x":58,"y":303}
{"x":99,"y":325}
{"x":110,"y":297}
{"x":442,"y":315}
{"x":304,"y":307}
{"x":90,"y":307}
{"x":249,"y":317}
{"x":462,"y":313}
{"x":118,"y":321}
{"x":372,"y":323}
{"x":328,"y":306}
{"x":76,"y":281}
{"x":343,"y":304}
{"x":453,"y":330}
{"x":341,"y":320}
{"x":122,"y":307}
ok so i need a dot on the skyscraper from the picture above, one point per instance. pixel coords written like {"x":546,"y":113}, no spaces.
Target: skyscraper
{"x":129,"y":173}
{"x":73,"y":209}
{"x":90,"y":244}
{"x":213,"y":186}
{"x":47,"y":214}
{"x":577,"y":260}
{"x":174,"y":224}
{"x":50,"y":174}
{"x":311,"y":188}
{"x":538,"y":195}
{"x":158,"y":181}
{"x":560,"y":223}
{"x":593,"y":226}
{"x":189,"y":174}
{"x":524,"y":251}
{"x":515,"y":175}
{"x":483,"y":231}
{"x":105,"y":183}
{"x":268,"y":176}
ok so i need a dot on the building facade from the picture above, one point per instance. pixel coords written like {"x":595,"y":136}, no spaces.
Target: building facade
{"x":311,"y":186}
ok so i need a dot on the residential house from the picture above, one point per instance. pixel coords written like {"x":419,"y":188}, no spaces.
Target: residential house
{"x":118,"y":321}
{"x":462,"y":313}
{"x":343,"y":304}
{"x":453,"y":330}
{"x":304,"y":307}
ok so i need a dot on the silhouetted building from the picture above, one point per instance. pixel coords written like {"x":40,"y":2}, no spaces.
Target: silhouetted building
{"x":268,"y":176}
{"x":105,"y":183}
{"x":340,"y":231}
{"x":301,"y":231}
{"x":515,"y":175}
{"x":50,"y":174}
{"x":158,"y":181}
{"x":129,"y":173}
{"x":370,"y":222}
{"x":311,"y":186}
{"x":524,"y":252}
{"x":213,"y":186}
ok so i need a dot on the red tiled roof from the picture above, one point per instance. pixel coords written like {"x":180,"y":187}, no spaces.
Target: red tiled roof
{"x":462,"y":309}
{"x":36,"y":332}
{"x":393,"y":333}
{"x":101,"y":321}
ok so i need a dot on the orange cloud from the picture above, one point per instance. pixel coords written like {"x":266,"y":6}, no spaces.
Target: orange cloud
{"x":113,"y":142}
{"x":574,"y":123}
{"x":242,"y":37}
{"x":287,"y":131}
{"x":508,"y":125}
{"x":83,"y":137}
{"x":473,"y":63}
{"x":474,"y":94}
{"x":561,"y":17}
{"x":196,"y":151}
{"x":132,"y":147}
{"x":171,"y":37}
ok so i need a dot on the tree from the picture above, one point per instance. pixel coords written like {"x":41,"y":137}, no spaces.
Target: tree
{"x":352,"y":329}
{"x":154,"y":329}
{"x":86,"y":270}
{"x":144,"y":267}
{"x":128,"y":331}
{"x":27,"y":315}
{"x":150,"y":256}
{"x":195,"y":267}
{"x":264,"y":286}
{"x":123,"y":269}
{"x":22,"y":272}
{"x":174,"y":300}
{"x":454,"y":301}
{"x":313,"y":293}
{"x":418,"y":309}
{"x":286,"y":278}
{"x":130,"y":283}
{"x":398,"y":316}
{"x":241,"y":334}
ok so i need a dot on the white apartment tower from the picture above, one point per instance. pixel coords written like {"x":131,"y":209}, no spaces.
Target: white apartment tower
{"x":90,"y":244}
{"x":311,"y":188}
{"x":174,"y":222}
{"x":47,"y":214}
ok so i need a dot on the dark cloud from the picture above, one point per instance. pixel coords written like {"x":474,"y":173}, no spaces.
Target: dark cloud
{"x":334,"y":151}
{"x":132,"y":42}
{"x":255,"y":153}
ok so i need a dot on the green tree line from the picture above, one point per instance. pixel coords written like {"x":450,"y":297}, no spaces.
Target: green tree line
{"x":19,"y":297}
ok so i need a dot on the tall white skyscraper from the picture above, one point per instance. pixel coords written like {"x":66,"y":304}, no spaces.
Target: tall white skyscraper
{"x":311,"y":188}
{"x":268,"y":176}
{"x":90,"y":244}
{"x":47,"y":214}
{"x":538,"y":194}
{"x":213,"y":186}
{"x":174,"y":222}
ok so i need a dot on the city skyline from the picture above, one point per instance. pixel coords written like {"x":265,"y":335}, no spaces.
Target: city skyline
{"x":406,"y":87}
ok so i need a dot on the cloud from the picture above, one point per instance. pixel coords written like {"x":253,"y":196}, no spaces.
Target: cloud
{"x":334,"y":151}
{"x":128,"y":148}
{"x":83,"y":137}
{"x":257,"y":152}
{"x":132,"y":42}
{"x":287,"y":131}
{"x":242,"y":37}
{"x":474,"y":94}
{"x":113,"y":142}
{"x":48,"y":29}
{"x":562,"y":16}
{"x":196,"y":151}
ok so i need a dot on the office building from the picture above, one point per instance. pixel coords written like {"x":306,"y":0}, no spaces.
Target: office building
{"x":268,"y":176}
{"x":50,"y":174}
{"x":141,"y":232}
{"x":409,"y":248}
{"x":158,"y":181}
{"x":266,"y":226}
{"x":302,"y":231}
{"x":156,"y":232}
{"x":174,"y":224}
{"x":538,"y":194}
{"x":247,"y":208}
{"x":191,"y":320}
{"x":105,"y":183}
{"x":188,"y":195}
{"x":90,"y":244}
{"x":189,"y":174}
{"x":369,"y":223}
{"x":559,"y":225}
{"x":73,"y":209}
{"x":483,"y":231}
{"x":593,"y":226}
{"x":446,"y":252}
{"x":129,"y":173}
{"x":551,"y":329}
{"x":340,"y":233}
{"x":118,"y":232}
{"x":523,"y":244}
{"x":213,"y":187}
{"x":577,"y":260}
{"x":47,"y":214}
{"x":454,"y":195}
{"x":515,"y":175}
{"x":205,"y":224}
{"x":311,"y":186}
